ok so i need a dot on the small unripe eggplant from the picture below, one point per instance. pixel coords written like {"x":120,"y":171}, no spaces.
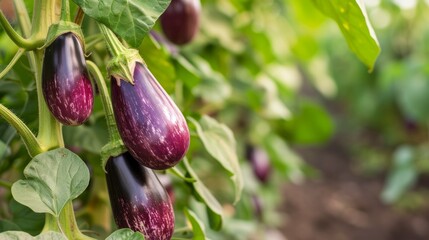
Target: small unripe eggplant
{"x":260,"y":162}
{"x":150,"y":124}
{"x":65,"y":81}
{"x":181,"y":20}
{"x":138,"y":199}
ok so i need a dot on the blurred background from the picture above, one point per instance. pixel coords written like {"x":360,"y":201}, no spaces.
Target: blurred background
{"x":329,"y":150}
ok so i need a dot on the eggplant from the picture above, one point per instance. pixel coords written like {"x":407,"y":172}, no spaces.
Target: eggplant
{"x":260,"y":163}
{"x":65,"y":81}
{"x":150,"y":124}
{"x":138,"y":199}
{"x":181,"y":20}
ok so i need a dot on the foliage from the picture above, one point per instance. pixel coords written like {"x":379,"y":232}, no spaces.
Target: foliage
{"x":238,"y":83}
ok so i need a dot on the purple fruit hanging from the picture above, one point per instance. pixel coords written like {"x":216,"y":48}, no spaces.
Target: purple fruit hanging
{"x":150,"y":124}
{"x":65,"y":83}
{"x":138,"y":199}
{"x":181,"y":20}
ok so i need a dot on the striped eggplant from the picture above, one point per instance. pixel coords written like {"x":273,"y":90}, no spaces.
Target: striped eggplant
{"x":138,"y":199}
{"x":65,"y":83}
{"x":180,"y":21}
{"x":150,"y":124}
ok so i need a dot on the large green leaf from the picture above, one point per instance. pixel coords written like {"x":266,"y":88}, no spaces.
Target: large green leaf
{"x":25,"y":236}
{"x":125,"y":234}
{"x":203,"y":194}
{"x":197,"y":226}
{"x":219,"y":141}
{"x":352,"y":19}
{"x":26,"y":219}
{"x":130,"y":19}
{"x":53,"y":178}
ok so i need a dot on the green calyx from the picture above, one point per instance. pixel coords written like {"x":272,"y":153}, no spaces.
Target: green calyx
{"x":61,"y":28}
{"x":121,"y":67}
{"x":112,"y":149}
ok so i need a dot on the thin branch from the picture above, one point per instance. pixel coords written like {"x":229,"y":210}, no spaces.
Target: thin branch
{"x":12,"y":62}
{"x":28,"y":44}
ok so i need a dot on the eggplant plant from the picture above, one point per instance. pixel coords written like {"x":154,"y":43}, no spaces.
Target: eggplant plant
{"x":88,"y":74}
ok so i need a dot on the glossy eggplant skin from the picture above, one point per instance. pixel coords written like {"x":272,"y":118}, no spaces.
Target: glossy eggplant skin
{"x":150,"y":124}
{"x":65,"y":81}
{"x":138,"y":199}
{"x":181,"y":20}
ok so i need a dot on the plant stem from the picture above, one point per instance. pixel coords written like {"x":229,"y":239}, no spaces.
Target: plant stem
{"x":79,"y":16}
{"x":6,"y":184}
{"x":12,"y":62}
{"x":23,"y":18}
{"x":29,"y":44}
{"x":30,"y":141}
{"x":105,"y":99}
{"x":65,"y":10}
{"x":113,"y":44}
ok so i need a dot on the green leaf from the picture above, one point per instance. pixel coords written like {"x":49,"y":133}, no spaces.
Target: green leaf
{"x":186,"y":72}
{"x":158,"y":61}
{"x":6,"y":225}
{"x":26,"y":219}
{"x":403,"y":175}
{"x":197,"y":226}
{"x":90,"y":138}
{"x":53,"y":178}
{"x":219,"y":141}
{"x":310,"y":124}
{"x":125,"y":234}
{"x":202,"y":193}
{"x":14,"y":235}
{"x":352,"y":19}
{"x":130,"y":19}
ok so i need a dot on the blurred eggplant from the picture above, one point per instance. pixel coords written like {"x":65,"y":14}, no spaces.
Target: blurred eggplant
{"x":150,"y":124}
{"x":181,"y":20}
{"x":260,"y":163}
{"x":138,"y":199}
{"x":65,"y":81}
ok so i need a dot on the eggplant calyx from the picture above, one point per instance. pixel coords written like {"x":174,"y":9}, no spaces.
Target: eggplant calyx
{"x":112,"y":149}
{"x":61,"y":28}
{"x":121,"y":67}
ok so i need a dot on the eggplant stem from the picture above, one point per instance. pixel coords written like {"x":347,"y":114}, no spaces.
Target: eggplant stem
{"x":23,"y":17}
{"x":5,"y":184}
{"x":31,"y":143}
{"x":78,"y":19}
{"x":12,"y":63}
{"x":105,"y":99}
{"x":180,"y":175}
{"x":113,"y":44}
{"x":29,"y":44}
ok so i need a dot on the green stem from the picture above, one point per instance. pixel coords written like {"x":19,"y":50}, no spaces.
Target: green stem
{"x":113,"y":43}
{"x":79,"y":16}
{"x":105,"y":99}
{"x":65,"y":10}
{"x":12,"y":62}
{"x":29,"y":44}
{"x":30,"y":141}
{"x":23,"y":18}
{"x":65,"y":223}
{"x":5,"y":184}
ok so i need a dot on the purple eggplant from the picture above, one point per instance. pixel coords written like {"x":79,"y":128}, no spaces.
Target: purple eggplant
{"x":138,"y":199}
{"x":150,"y":124}
{"x":181,"y":20}
{"x":65,"y":81}
{"x":260,"y":162}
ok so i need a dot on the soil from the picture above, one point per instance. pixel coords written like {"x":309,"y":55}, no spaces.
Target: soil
{"x":343,"y":204}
